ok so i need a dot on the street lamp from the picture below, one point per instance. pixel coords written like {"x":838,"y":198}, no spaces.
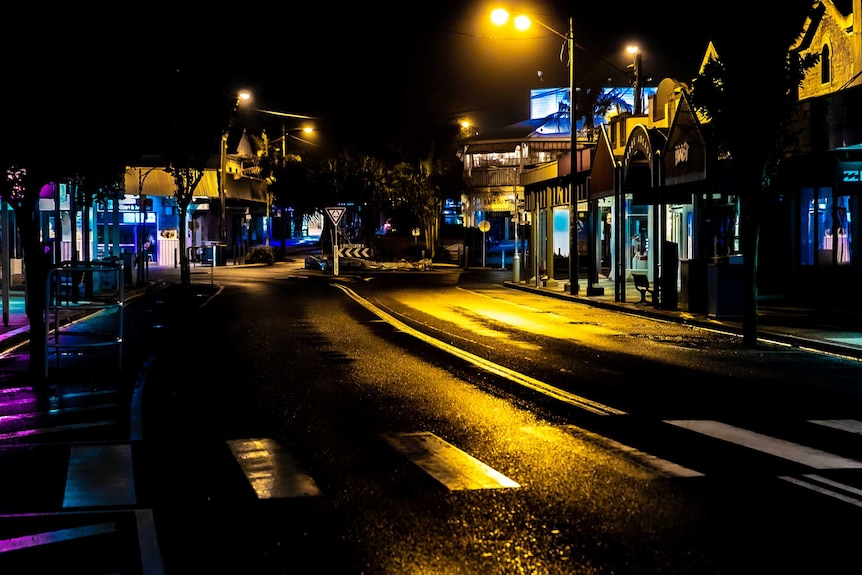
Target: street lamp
{"x":499,"y":17}
{"x":245,"y":100}
{"x":143,"y":259}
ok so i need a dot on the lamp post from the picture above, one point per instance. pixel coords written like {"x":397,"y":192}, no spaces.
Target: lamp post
{"x":222,"y":196}
{"x":516,"y":255}
{"x":636,"y":79}
{"x":285,"y":134}
{"x":245,"y":99}
{"x":143,"y":259}
{"x":499,"y":17}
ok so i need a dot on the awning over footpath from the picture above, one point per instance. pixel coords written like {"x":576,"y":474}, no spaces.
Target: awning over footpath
{"x":160,"y":183}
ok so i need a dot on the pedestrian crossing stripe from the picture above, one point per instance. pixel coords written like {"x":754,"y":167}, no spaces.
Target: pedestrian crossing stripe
{"x":848,"y":425}
{"x":58,"y":536}
{"x":455,"y":469}
{"x":270,"y":470}
{"x":773,"y":446}
{"x":827,"y":487}
{"x":100,"y":475}
{"x":663,"y":466}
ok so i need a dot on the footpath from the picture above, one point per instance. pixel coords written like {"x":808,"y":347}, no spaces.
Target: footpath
{"x":71,"y":447}
{"x":836,"y":332}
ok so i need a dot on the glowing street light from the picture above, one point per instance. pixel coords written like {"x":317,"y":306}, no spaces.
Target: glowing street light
{"x":246,"y":99}
{"x":500,"y":17}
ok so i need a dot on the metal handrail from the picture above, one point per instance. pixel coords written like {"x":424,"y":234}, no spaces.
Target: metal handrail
{"x":63,"y":297}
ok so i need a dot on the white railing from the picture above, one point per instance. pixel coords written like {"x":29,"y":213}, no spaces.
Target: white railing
{"x":78,"y":289}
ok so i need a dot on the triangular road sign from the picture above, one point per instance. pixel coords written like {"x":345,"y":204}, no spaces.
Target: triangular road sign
{"x":335,"y":214}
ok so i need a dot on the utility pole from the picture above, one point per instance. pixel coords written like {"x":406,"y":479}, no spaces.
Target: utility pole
{"x":221,"y":188}
{"x":574,"y":258}
{"x":636,"y":80}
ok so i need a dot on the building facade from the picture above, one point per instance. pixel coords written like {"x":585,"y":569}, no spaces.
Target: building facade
{"x":822,"y":176}
{"x":143,"y":221}
{"x":652,"y":193}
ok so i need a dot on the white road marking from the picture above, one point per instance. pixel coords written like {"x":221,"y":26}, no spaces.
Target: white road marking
{"x":824,"y":491}
{"x":55,"y":429}
{"x":100,"y":475}
{"x":454,"y":468}
{"x":272,"y":472}
{"x":49,"y":537}
{"x":497,"y":369}
{"x":148,"y":543}
{"x":778,"y":447}
{"x":665,"y":467}
{"x":848,"y":425}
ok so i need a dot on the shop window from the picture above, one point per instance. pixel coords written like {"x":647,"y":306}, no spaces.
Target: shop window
{"x":837,"y":232}
{"x":561,"y":231}
{"x":807,"y":223}
{"x":721,"y":228}
{"x":637,"y":237}
{"x":826,"y":228}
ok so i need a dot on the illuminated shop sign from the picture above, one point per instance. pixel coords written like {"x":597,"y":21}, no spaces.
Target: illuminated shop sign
{"x":849,"y":176}
{"x":680,"y":153}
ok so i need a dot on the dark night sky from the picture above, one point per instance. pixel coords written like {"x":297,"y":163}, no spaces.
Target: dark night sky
{"x":375,"y":72}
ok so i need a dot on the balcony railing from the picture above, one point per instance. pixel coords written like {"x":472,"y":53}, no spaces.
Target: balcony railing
{"x":494,"y":177}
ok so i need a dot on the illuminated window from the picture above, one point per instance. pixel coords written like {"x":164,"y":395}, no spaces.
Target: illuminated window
{"x":826,"y":231}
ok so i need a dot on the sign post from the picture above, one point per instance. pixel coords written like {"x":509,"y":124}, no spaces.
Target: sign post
{"x":335,"y":214}
{"x":516,"y":255}
{"x":484,"y":226}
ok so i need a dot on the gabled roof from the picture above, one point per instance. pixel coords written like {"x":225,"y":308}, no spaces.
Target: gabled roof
{"x":841,"y":12}
{"x":602,"y":175}
{"x":710,"y":54}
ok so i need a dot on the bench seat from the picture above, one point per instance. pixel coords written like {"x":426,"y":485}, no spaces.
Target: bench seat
{"x":642,"y":285}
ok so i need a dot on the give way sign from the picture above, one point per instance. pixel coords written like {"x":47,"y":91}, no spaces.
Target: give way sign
{"x":335,"y":214}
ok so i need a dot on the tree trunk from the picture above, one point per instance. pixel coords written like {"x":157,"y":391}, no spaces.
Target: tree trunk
{"x":185,"y":272}
{"x":36,"y":264}
{"x":751,"y":194}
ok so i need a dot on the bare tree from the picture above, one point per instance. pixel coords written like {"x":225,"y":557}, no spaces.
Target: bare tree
{"x":186,"y":180}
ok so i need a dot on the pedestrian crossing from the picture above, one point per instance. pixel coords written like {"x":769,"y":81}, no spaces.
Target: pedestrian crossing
{"x":103,"y":474}
{"x":459,"y":471}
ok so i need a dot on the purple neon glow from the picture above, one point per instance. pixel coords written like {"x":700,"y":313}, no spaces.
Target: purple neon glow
{"x":49,"y":537}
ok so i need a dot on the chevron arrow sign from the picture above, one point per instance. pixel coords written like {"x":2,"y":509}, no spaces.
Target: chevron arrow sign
{"x":354,"y":252}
